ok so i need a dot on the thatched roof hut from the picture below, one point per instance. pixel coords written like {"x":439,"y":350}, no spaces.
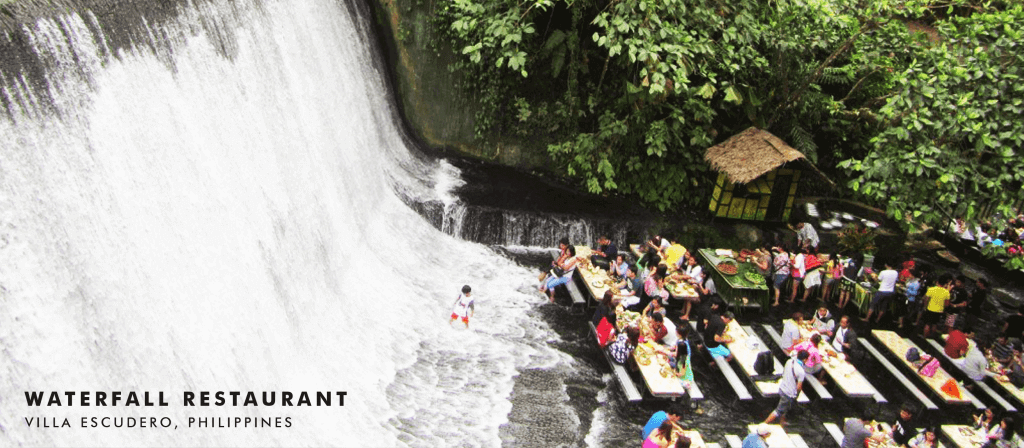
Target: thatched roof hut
{"x":754,"y":179}
{"x":750,"y":154}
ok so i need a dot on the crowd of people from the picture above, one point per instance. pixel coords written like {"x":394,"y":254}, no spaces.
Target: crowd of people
{"x":640,"y":308}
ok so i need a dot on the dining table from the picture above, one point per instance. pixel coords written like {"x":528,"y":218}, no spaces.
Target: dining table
{"x":843,"y":373}
{"x":899,"y":346}
{"x":738,"y":289}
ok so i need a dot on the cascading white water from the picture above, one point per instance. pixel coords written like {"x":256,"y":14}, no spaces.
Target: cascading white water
{"x":182,"y":218}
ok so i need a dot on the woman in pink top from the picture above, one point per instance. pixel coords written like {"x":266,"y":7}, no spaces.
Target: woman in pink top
{"x":813,"y":364}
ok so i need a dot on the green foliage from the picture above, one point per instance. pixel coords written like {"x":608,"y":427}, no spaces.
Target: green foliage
{"x":855,"y":239}
{"x":628,"y":94}
{"x":952,"y":128}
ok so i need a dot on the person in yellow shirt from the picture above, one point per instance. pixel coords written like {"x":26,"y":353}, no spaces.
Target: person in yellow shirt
{"x":936,"y":299}
{"x":674,"y":254}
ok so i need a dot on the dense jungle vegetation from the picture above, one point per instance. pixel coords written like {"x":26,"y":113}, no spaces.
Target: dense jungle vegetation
{"x":913,"y":105}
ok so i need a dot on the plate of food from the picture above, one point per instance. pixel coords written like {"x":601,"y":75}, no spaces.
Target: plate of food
{"x":728,"y":267}
{"x":597,"y":283}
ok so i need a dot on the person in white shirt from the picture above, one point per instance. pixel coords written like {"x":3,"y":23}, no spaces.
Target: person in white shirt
{"x":464,"y":307}
{"x":791,"y":332}
{"x":789,"y":386}
{"x":845,"y":337}
{"x":886,"y":291}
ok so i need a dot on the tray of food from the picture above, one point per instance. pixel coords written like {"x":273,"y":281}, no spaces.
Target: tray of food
{"x":754,"y":278}
{"x":728,"y":267}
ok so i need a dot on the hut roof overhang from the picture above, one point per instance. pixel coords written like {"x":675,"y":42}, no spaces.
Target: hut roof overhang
{"x":752,"y":153}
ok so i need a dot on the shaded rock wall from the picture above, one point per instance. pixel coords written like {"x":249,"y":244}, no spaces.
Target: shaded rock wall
{"x":434,"y":106}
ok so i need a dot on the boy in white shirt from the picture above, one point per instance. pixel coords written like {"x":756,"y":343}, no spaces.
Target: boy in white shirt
{"x":463,"y":307}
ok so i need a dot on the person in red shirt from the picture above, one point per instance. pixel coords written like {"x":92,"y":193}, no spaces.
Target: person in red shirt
{"x":956,"y":343}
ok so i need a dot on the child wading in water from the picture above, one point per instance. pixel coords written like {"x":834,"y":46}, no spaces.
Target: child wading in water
{"x":463,"y":307}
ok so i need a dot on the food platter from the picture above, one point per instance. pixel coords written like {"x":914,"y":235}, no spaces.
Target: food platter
{"x":728,"y":267}
{"x":597,"y":283}
{"x":754,"y":278}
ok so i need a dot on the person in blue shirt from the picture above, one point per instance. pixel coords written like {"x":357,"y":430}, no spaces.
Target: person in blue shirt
{"x":673,"y":415}
{"x":756,"y":438}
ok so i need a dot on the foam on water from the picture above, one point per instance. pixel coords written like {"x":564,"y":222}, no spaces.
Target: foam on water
{"x":196,"y":214}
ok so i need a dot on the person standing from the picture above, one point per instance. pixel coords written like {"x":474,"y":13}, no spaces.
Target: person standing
{"x":886,"y":291}
{"x":936,"y":299}
{"x":463,"y":307}
{"x":806,"y":236}
{"x":789,"y":387}
{"x":781,"y":264}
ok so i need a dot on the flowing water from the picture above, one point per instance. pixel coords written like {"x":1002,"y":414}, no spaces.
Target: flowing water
{"x":221,"y":204}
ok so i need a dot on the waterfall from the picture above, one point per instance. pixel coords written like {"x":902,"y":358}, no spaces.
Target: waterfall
{"x":216,"y":197}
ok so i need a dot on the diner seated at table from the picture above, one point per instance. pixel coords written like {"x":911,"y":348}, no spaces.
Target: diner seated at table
{"x":712,"y":306}
{"x":560,"y":275}
{"x":1001,"y":350}
{"x":975,"y":365}
{"x":715,"y":337}
{"x":605,"y":252}
{"x":928,"y":438}
{"x":650,"y":267}
{"x":658,"y":244}
{"x":956,"y":343}
{"x":654,"y":307}
{"x":630,"y":288}
{"x":658,"y":330}
{"x":1001,"y":435}
{"x":985,"y":419}
{"x":903,"y":431}
{"x":672,"y":414}
{"x":654,"y":286}
{"x":661,"y":437}
{"x":813,"y":365}
{"x":605,"y":308}
{"x":692,"y":273}
{"x":619,"y":266}
{"x":823,"y":323}
{"x":625,"y":342}
{"x":858,"y":430}
{"x":791,"y":332}
{"x":845,"y":340}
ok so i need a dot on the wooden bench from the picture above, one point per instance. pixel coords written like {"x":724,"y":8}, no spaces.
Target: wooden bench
{"x":836,"y":432}
{"x":981,"y":384}
{"x":574,"y":291}
{"x":798,"y":441}
{"x":734,"y":441}
{"x":928,"y":404}
{"x":621,"y":374}
{"x":766,"y":388}
{"x":823,"y":393}
{"x":726,"y":369}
